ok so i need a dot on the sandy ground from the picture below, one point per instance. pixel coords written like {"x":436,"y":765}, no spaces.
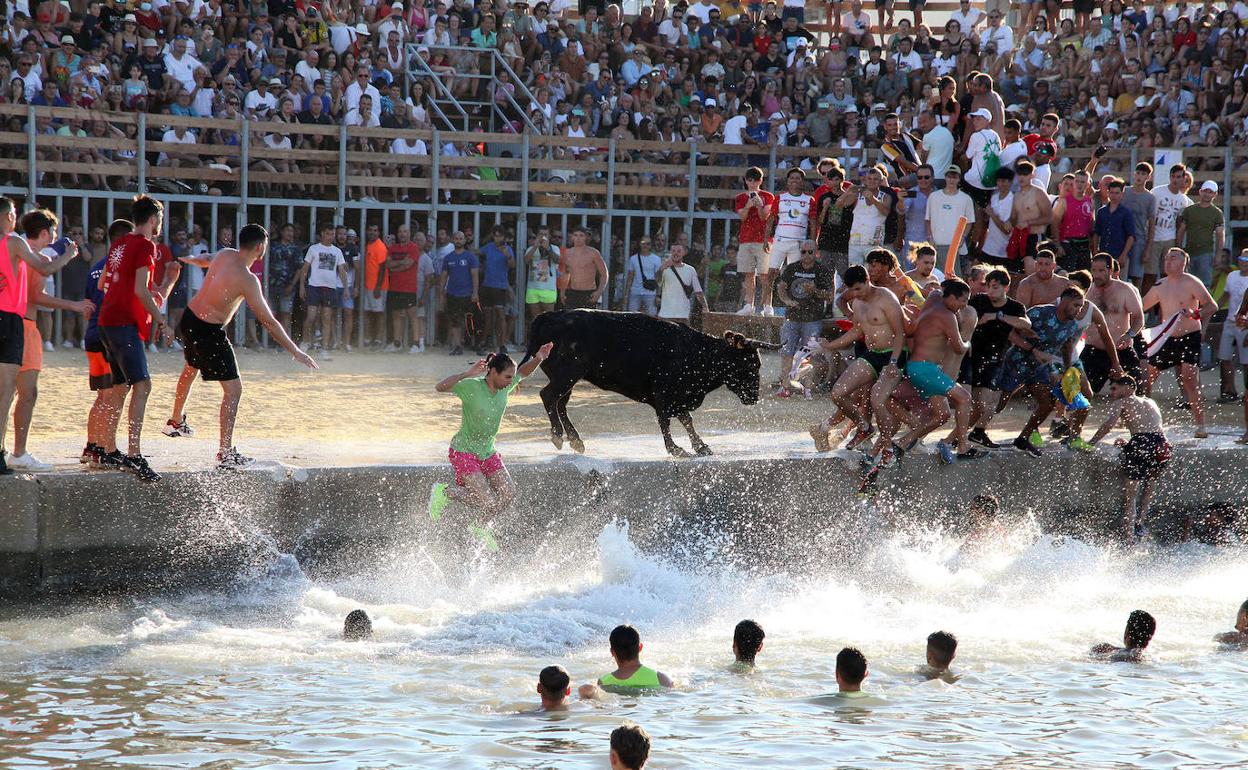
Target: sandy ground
{"x":378,"y":408}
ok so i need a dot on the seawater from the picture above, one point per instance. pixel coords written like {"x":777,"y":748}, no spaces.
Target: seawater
{"x":255,"y":675}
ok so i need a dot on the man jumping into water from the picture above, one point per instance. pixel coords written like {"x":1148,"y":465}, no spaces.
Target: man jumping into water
{"x":481,"y":480}
{"x":205,"y":344}
{"x":1144,"y":456}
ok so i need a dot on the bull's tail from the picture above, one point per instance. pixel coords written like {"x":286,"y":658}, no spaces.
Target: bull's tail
{"x":540,"y":332}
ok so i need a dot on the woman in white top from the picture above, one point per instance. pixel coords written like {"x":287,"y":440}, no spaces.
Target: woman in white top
{"x":851,"y":150}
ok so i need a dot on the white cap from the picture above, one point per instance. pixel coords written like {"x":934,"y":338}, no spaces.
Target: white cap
{"x":362,"y":29}
{"x":1211,"y":186}
{"x":396,"y":7}
{"x":982,"y":113}
{"x":1111,"y":126}
{"x":710,"y":103}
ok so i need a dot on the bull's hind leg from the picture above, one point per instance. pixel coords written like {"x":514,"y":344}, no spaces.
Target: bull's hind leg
{"x":551,"y":396}
{"x":695,"y":440}
{"x":665,"y":426}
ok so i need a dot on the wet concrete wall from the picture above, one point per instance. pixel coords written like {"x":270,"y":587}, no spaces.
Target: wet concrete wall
{"x":87,"y":532}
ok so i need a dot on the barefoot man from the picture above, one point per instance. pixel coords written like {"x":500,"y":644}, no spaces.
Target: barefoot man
{"x":938,"y":333}
{"x":205,"y":344}
{"x":1042,"y":287}
{"x":584,"y":270}
{"x":878,"y":318}
{"x":1124,"y":317}
{"x":481,"y":480}
{"x":1144,"y":456}
{"x":1186,"y":306}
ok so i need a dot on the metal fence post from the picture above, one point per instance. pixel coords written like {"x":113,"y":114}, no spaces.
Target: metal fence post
{"x":1228,"y":169}
{"x":607,"y":239}
{"x":244,"y":146}
{"x":342,"y":174}
{"x":771,"y":168}
{"x":691,"y":206}
{"x":32,"y":174}
{"x":141,"y":135}
{"x":522,"y":239}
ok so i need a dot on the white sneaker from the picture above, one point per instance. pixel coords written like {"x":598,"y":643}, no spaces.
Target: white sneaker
{"x":416,"y":349}
{"x":394,"y":348}
{"x":177,"y":346}
{"x":348,"y":348}
{"x":29,"y":463}
{"x":324,"y":355}
{"x":420,"y":346}
{"x":151,"y":348}
{"x":769,"y":311}
{"x":83,"y":345}
{"x":67,"y":345}
{"x":48,"y":346}
{"x":746,"y":310}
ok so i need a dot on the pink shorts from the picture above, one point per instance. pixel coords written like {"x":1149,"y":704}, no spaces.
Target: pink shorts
{"x":466,"y":464}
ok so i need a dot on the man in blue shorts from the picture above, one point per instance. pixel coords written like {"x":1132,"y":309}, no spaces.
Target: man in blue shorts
{"x":1038,"y":356}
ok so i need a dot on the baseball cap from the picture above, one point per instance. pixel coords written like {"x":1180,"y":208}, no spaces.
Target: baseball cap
{"x":710,"y":103}
{"x":1209,"y":185}
{"x":1150,"y":83}
{"x":67,"y":39}
{"x":423,"y":49}
{"x":982,"y":113}
{"x":1111,"y":126}
{"x":879,"y":107}
{"x":396,"y":7}
{"x":275,"y":81}
{"x":362,"y":29}
{"x":149,"y":43}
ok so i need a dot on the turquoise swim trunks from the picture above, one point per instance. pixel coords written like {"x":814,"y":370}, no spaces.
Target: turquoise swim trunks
{"x":928,"y":378}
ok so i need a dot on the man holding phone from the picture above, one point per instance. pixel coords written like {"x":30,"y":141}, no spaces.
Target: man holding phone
{"x":756,"y":209}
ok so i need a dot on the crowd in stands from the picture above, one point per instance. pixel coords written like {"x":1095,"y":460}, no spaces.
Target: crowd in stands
{"x":1121,"y":75}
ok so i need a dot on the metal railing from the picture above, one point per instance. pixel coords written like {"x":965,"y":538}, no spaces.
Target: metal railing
{"x":484,"y":106}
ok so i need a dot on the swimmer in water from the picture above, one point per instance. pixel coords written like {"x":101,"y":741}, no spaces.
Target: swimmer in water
{"x":851,"y":669}
{"x":1240,"y":635}
{"x":1140,"y":629}
{"x":553,"y":686}
{"x":358,"y":627}
{"x":747,"y":642}
{"x":481,"y":480}
{"x":942,"y":647}
{"x":629,"y":675}
{"x":630,"y":747}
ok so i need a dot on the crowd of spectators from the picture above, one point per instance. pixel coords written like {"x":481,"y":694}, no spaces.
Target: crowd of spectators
{"x":1163,"y":75}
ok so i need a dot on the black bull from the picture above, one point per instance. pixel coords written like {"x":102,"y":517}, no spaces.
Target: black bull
{"x":664,"y":364}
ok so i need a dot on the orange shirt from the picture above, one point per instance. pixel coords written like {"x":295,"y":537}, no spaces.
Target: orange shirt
{"x":374,"y":255}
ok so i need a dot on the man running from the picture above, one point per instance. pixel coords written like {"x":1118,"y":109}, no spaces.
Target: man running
{"x":101,"y":450}
{"x":881,"y":329}
{"x":481,"y":480}
{"x":126,"y":315}
{"x":1144,"y":456}
{"x":205,"y":344}
{"x":585,"y":271}
{"x":998,"y":315}
{"x":1124,"y":317}
{"x":1042,"y":287}
{"x":936,"y":334}
{"x":1038,"y":356}
{"x":1186,"y":305}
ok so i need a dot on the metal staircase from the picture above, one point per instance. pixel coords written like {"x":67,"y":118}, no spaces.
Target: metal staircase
{"x":481,"y":110}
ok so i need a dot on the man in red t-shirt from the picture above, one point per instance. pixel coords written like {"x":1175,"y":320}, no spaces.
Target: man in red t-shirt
{"x":756,"y":208}
{"x":127,"y":313}
{"x":403,"y":298}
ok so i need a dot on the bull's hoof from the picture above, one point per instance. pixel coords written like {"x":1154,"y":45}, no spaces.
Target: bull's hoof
{"x":557,"y":440}
{"x":703,"y":451}
{"x":577,"y":445}
{"x":678,"y":452}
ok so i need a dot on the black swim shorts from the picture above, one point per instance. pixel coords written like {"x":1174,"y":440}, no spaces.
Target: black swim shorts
{"x":1145,"y":456}
{"x":1178,"y":350}
{"x":12,"y":339}
{"x":207,"y":348}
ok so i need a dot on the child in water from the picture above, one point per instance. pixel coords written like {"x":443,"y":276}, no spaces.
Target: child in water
{"x":1240,"y":635}
{"x":553,"y":686}
{"x":1139,"y":632}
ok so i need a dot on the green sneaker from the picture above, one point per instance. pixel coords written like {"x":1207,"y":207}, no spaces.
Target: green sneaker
{"x":1036,"y":440}
{"x":1076,"y":444}
{"x":485,"y":535}
{"x":438,"y":500}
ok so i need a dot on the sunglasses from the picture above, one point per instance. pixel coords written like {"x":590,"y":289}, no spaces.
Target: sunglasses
{"x":923,"y":178}
{"x":808,"y":251}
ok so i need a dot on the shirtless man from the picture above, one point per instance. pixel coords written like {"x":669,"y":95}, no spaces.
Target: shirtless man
{"x":883,"y":271}
{"x":1032,"y":210}
{"x":586,"y":272}
{"x":1124,"y":317}
{"x":924,"y":272}
{"x":205,"y":344}
{"x":1139,"y":632}
{"x":1186,"y":305}
{"x":1042,"y":287}
{"x":1144,"y":456}
{"x":880,"y":326}
{"x":938,"y":333}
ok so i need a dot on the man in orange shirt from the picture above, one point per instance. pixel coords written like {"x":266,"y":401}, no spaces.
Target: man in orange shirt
{"x":376,"y":285}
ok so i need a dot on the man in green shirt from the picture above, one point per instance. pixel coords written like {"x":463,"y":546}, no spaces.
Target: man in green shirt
{"x":481,"y":481}
{"x":1199,"y":229}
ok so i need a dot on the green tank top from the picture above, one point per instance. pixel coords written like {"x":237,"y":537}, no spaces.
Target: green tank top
{"x":643,"y":679}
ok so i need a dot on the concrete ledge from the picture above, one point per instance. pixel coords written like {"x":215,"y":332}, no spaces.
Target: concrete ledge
{"x":71,"y":533}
